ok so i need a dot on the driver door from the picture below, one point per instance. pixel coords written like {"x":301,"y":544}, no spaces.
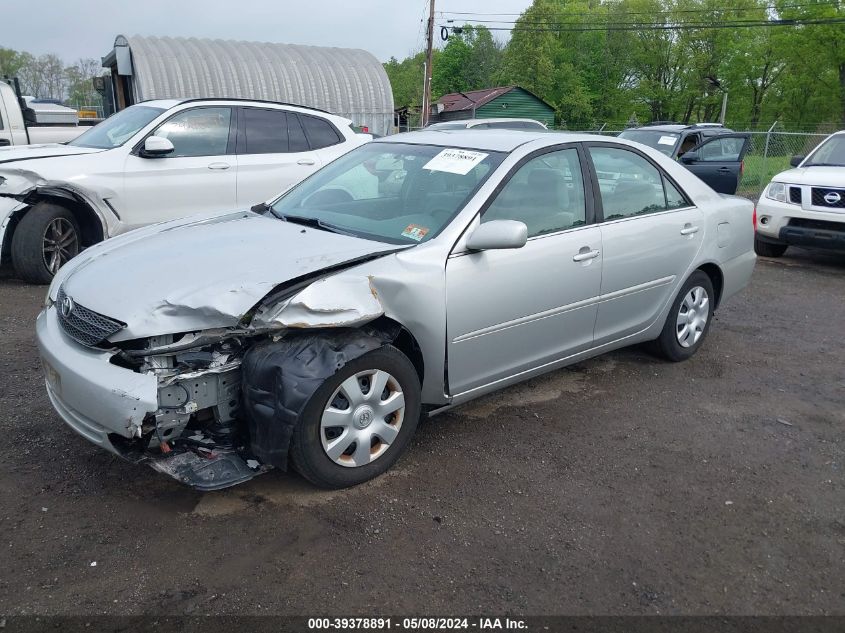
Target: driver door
{"x":718,"y":161}
{"x":511,"y":311}
{"x":199,"y":176}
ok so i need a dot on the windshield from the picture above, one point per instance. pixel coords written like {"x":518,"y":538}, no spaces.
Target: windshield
{"x":118,"y":128}
{"x":391,"y":192}
{"x":661,"y":141}
{"x":830,"y":152}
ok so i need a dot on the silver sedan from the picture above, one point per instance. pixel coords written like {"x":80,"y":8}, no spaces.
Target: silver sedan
{"x":411,"y":275}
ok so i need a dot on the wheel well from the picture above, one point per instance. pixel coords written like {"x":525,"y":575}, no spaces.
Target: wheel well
{"x":90,"y":225}
{"x":716,"y":278}
{"x":405,"y":343}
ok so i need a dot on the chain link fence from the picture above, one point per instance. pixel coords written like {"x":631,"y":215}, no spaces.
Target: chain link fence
{"x":768,"y":154}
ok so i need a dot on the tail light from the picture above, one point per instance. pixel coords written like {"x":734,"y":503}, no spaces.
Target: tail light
{"x":741,"y":167}
{"x":365,"y":129}
{"x":754,"y":217}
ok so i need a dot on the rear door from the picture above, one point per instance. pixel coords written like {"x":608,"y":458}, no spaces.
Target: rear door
{"x":273,"y":154}
{"x":718,"y":161}
{"x":650,"y":234}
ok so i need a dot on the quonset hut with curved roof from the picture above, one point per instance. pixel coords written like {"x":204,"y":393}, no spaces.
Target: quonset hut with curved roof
{"x":345,"y":81}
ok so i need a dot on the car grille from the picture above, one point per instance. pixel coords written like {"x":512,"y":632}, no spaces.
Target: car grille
{"x":819,"y":225}
{"x":795,"y":195}
{"x":83,"y":325}
{"x":819,"y":198}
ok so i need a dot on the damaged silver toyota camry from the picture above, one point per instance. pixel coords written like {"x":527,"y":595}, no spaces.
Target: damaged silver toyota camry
{"x":408,"y":276}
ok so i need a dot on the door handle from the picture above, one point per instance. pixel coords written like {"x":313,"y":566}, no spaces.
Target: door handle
{"x":219,"y":166}
{"x":689,"y":229}
{"x":724,"y":170}
{"x":306,"y":161}
{"x":585,"y":254}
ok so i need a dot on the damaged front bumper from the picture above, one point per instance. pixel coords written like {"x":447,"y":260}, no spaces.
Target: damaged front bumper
{"x":95,"y":398}
{"x":140,"y":416}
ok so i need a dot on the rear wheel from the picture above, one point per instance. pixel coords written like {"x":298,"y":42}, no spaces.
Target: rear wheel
{"x":767,"y":249}
{"x":688,"y":321}
{"x":360,"y":420}
{"x":44,"y":240}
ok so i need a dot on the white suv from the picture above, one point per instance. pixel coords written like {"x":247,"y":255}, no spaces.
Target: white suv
{"x":805,"y":206}
{"x":156,"y":161}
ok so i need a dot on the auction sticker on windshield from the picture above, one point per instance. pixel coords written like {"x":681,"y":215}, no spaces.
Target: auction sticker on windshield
{"x":455,"y":161}
{"x":666,"y":140}
{"x":415,"y":232}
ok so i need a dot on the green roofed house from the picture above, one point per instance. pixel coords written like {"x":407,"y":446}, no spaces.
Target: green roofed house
{"x":493,"y":103}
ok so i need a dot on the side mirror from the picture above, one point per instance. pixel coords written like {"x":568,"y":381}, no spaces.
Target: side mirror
{"x":689,"y":157}
{"x":498,"y":234}
{"x":156,"y":147}
{"x":796,"y":160}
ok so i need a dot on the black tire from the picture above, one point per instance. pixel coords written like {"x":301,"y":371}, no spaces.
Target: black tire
{"x":307,"y":454}
{"x":667,"y":344}
{"x":30,"y":241}
{"x":767,"y":249}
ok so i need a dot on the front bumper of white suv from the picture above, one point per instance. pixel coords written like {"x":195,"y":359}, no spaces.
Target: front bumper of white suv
{"x":805,"y":218}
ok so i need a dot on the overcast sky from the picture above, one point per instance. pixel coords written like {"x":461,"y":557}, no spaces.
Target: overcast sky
{"x":87,"y":28}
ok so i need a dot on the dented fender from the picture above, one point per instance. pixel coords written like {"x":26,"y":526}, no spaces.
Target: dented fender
{"x":21,"y":188}
{"x":337,"y":301}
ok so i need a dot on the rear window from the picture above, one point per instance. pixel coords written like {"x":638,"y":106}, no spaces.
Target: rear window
{"x":662,"y":141}
{"x":266,"y":131}
{"x":320,"y":132}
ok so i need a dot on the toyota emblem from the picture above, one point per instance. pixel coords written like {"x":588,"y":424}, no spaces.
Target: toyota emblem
{"x":66,"y":307}
{"x":831,"y":197}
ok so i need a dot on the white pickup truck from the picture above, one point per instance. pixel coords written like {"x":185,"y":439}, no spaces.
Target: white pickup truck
{"x":50,"y":124}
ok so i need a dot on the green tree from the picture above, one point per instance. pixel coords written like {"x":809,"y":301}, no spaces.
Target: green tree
{"x":11,"y":62}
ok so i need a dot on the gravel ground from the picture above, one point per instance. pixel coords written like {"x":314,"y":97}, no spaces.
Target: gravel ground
{"x":622,"y":485}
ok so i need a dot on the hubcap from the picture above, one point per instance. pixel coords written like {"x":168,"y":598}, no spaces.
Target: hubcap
{"x":59,"y":244}
{"x":362,"y":418}
{"x":692,"y":316}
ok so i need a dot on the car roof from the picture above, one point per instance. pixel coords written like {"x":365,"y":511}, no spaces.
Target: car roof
{"x":468,"y":123}
{"x":497,"y":140}
{"x":499,"y":120}
{"x":680,"y":127}
{"x":171,"y":103}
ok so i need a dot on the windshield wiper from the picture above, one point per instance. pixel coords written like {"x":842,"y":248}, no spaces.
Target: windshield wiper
{"x":313,"y":223}
{"x":824,"y":165}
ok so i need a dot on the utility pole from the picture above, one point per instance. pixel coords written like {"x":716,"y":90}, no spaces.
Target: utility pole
{"x":724,"y":107}
{"x":429,"y":53}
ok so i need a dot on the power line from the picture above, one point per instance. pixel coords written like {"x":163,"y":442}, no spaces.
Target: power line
{"x":768,"y":7}
{"x":555,"y":26}
{"x":680,"y":26}
{"x":552,"y":23}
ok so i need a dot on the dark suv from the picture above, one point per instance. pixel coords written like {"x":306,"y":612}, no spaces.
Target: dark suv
{"x":709,"y":150}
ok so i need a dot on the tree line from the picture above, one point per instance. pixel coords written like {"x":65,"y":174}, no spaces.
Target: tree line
{"x":633,"y":61}
{"x":48,"y":77}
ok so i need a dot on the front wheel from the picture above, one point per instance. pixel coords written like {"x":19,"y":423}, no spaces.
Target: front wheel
{"x":44,"y":240}
{"x":360,"y":420}
{"x":688,"y":320}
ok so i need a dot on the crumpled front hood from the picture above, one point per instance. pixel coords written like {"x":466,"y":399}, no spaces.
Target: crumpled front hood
{"x":201,"y":273}
{"x":815,"y":176}
{"x":46,"y":150}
